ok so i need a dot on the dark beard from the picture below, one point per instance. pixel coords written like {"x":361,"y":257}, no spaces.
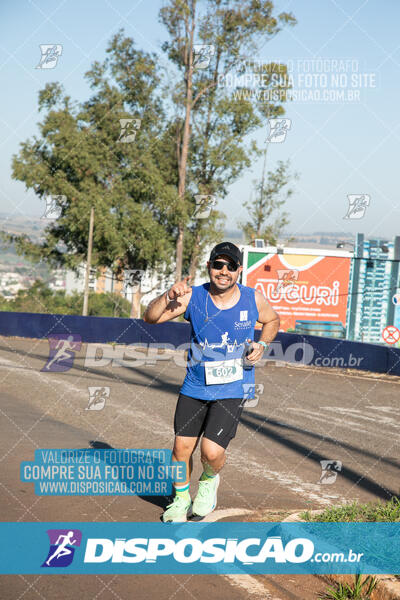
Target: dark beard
{"x":225,"y":289}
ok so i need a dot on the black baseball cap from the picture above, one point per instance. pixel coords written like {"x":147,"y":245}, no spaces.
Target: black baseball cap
{"x":229,"y":250}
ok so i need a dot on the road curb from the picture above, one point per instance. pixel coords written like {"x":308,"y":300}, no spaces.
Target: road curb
{"x":388,"y":586}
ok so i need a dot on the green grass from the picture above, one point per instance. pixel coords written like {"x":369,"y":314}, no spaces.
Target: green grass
{"x":360,"y":590}
{"x":381,"y":512}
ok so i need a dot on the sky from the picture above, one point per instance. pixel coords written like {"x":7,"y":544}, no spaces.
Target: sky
{"x":344,"y":57}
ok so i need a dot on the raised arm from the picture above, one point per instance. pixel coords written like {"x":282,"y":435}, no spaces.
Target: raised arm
{"x":170,"y":304}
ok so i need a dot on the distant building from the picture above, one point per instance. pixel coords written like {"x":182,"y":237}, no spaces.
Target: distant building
{"x":374,"y":279}
{"x":152,"y":283}
{"x":75,"y":281}
{"x":58,"y":281}
{"x":11,"y":283}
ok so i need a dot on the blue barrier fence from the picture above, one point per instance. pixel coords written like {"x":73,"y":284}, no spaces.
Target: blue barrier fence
{"x":291,"y":347}
{"x":92,"y":329}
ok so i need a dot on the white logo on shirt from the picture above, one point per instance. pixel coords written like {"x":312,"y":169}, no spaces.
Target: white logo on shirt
{"x":242,"y":325}
{"x":231,"y":347}
{"x":243,"y":315}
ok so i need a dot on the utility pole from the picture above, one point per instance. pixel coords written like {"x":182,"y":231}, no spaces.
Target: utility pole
{"x":88,"y":264}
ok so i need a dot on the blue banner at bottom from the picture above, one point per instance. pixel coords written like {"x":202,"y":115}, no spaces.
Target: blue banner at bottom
{"x":199,"y":547}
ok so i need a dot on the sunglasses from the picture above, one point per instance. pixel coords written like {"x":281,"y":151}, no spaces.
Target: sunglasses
{"x":218,"y":265}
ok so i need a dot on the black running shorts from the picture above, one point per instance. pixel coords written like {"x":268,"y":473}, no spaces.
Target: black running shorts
{"x":216,"y":419}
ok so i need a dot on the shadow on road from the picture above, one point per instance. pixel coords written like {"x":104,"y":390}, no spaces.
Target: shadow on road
{"x":318,"y":436}
{"x":164,"y":386}
{"x":160,"y":501}
{"x":360,"y":480}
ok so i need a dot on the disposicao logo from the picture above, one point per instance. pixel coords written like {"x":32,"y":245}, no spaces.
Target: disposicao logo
{"x":190,"y":550}
{"x":62,"y":547}
{"x":62,"y":352}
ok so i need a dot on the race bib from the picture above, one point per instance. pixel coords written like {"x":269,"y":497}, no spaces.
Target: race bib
{"x":223,"y":371}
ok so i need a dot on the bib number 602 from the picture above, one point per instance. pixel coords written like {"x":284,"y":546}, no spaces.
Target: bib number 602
{"x":224,"y":371}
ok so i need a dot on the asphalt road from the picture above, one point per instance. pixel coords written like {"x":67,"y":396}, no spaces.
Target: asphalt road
{"x":304,"y":415}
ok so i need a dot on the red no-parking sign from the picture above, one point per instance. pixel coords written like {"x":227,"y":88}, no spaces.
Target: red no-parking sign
{"x":391,"y":334}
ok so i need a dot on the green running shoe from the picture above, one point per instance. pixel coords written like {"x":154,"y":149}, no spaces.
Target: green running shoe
{"x":176,"y":511}
{"x":206,"y":499}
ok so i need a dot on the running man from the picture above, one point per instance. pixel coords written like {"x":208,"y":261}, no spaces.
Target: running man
{"x":222,"y":314}
{"x":63,"y":347}
{"x":62,"y":549}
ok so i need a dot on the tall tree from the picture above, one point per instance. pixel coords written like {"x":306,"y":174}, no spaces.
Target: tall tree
{"x":104,"y":153}
{"x":225,"y":30}
{"x":188,"y":141}
{"x":267,"y":220}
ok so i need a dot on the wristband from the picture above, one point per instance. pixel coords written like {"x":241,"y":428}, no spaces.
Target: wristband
{"x":168,"y":298}
{"x":264,"y":344}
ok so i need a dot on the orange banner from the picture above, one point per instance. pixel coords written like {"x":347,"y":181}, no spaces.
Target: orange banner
{"x":301,"y":286}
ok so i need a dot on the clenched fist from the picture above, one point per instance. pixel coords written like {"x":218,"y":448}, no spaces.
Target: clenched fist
{"x":179,"y":289}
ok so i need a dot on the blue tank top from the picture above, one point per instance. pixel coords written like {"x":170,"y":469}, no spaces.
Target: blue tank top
{"x":220,"y":338}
